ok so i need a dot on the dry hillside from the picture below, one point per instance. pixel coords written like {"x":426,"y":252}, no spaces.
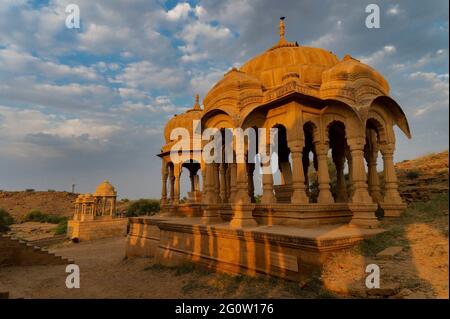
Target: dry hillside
{"x":423,"y":177}
{"x":20,"y":203}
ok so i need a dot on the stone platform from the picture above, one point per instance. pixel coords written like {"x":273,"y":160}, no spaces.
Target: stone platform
{"x":97,"y":228}
{"x":277,"y":250}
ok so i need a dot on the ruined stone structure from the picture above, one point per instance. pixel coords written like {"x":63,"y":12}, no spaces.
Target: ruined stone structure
{"x":326,"y":110}
{"x":95,"y":215}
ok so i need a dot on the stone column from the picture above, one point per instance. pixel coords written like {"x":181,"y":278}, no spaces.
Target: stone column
{"x":298,"y":177}
{"x":223,"y":190}
{"x":113,"y":206}
{"x":350,"y":173}
{"x":251,"y":186}
{"x":103,"y":206}
{"x":216,"y":184}
{"x":242,"y":206}
{"x":341,"y":188}
{"x":305,"y":163}
{"x":177,"y":172}
{"x":192,"y":180}
{"x":233,"y":188}
{"x":391,"y":194}
{"x":164,"y":175}
{"x":372,"y":176}
{"x":360,"y":192}
{"x":268,"y":196}
{"x":325,"y":196}
{"x":362,"y":204}
{"x":227,"y":182}
{"x":203,"y":172}
{"x":172,"y":185}
{"x":210,"y":214}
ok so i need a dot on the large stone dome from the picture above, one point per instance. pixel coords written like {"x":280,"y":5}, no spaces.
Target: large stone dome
{"x":285,"y":57}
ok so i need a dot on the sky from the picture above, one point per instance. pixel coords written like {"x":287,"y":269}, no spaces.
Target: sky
{"x":78,"y":106}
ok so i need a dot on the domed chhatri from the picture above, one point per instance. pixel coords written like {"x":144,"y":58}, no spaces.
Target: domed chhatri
{"x":95,"y":215}
{"x":105,"y":189}
{"x":320,"y":105}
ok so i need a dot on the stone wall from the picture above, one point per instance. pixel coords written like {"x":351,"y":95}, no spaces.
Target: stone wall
{"x":96,"y":229}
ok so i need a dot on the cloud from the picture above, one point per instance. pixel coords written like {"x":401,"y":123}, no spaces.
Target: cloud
{"x":180,"y":11}
{"x":393,"y":10}
{"x":13,"y":61}
{"x":378,"y":57}
{"x":201,"y":38}
{"x":92,"y":99}
{"x":435,"y":91}
{"x":149,"y":76}
{"x":23,"y":131}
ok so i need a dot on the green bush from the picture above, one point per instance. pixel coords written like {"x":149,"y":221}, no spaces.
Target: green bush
{"x":412,"y":174}
{"x":143,"y":207}
{"x":5,"y":220}
{"x":37,"y":216}
{"x":61,"y":228}
{"x":29,"y":190}
{"x":51,"y":190}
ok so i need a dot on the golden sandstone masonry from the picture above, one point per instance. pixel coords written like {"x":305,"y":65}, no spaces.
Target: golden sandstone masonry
{"x":321,"y":106}
{"x":95,"y":215}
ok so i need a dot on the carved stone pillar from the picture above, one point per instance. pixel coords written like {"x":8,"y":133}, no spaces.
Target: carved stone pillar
{"x":298,"y":178}
{"x":372,"y":176}
{"x":360,"y":191}
{"x":242,"y":206}
{"x":177,"y":186}
{"x":203,"y":172}
{"x":210,"y":213}
{"x":242,"y":183}
{"x":228,"y":182}
{"x":172,"y":185}
{"x":341,"y":188}
{"x":192,"y":180}
{"x":361,"y":204}
{"x":325,"y":196}
{"x":233,"y":186}
{"x":223,"y":190}
{"x":251,"y":185}
{"x":305,"y":162}
{"x":350,"y":172}
{"x":267,"y":183}
{"x":164,"y":176}
{"x":391,"y":194}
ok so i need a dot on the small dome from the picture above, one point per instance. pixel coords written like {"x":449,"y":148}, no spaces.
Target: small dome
{"x":351,"y":75}
{"x":79,"y":198}
{"x":105,"y":189}
{"x":236,"y":89}
{"x":184,"y":120}
{"x":88,"y":198}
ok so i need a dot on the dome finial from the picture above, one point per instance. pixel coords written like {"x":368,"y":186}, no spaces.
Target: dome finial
{"x":197,"y":104}
{"x":281,"y":27}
